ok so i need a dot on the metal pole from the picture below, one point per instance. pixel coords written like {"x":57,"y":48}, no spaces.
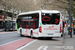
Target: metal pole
{"x":70,"y":15}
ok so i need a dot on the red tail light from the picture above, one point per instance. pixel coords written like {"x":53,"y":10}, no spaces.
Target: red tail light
{"x":40,"y":29}
{"x":61,"y":29}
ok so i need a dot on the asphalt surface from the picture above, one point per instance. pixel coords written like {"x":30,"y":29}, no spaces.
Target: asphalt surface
{"x":63,"y":43}
{"x":44,"y":44}
{"x":9,"y":37}
{"x":6,"y":37}
{"x":39,"y":43}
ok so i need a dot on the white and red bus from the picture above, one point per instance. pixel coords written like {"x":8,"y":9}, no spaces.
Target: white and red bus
{"x":44,"y":23}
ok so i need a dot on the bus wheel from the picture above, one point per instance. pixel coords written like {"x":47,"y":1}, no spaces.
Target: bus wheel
{"x":21,"y":32}
{"x":31,"y":34}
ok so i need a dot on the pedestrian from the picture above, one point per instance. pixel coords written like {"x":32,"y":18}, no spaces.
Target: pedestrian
{"x":69,"y":30}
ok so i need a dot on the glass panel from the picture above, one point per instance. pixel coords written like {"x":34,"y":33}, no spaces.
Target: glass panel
{"x":50,"y":18}
{"x":28,"y":21}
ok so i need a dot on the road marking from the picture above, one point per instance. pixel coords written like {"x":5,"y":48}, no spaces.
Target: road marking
{"x":26,"y":45}
{"x":11,"y":42}
{"x":42,"y":48}
{"x":16,"y":44}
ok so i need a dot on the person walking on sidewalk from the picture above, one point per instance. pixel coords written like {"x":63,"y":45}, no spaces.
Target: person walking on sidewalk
{"x":69,"y":30}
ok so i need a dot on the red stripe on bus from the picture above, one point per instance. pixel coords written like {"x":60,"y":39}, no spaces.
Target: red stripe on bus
{"x":35,"y":33}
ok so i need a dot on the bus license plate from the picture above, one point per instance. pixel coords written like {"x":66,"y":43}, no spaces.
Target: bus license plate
{"x":50,"y":34}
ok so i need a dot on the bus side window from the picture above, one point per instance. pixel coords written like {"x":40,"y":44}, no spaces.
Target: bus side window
{"x":23,"y":24}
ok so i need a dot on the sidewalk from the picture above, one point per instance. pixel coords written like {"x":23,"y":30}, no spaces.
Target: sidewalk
{"x":69,"y":43}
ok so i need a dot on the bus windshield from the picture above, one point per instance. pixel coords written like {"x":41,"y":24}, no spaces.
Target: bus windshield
{"x":53,"y":18}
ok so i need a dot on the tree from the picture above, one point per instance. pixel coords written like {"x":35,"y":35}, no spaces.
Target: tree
{"x":61,"y":5}
{"x":73,"y":8}
{"x":4,"y":5}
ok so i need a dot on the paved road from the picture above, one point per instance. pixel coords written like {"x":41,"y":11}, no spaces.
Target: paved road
{"x":8,"y":37}
{"x":30,"y":44}
{"x":12,"y":40}
{"x":43,"y":44}
{"x":35,"y":44}
{"x":26,"y":43}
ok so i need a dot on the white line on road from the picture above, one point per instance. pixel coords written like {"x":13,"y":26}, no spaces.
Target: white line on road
{"x":26,"y":45}
{"x":42,"y":48}
{"x":11,"y":42}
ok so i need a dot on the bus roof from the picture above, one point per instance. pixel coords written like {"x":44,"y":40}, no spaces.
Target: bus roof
{"x":38,"y":11}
